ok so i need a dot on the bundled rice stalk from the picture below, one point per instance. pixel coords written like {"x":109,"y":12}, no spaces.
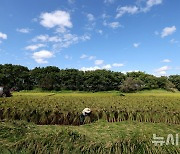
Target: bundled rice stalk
{"x":94,"y":116}
{"x":112,"y":116}
{"x":120,"y":116}
{"x":66,"y":118}
{"x":16,"y":115}
{"x":139,"y":117}
{"x":37,"y":118}
{"x":116,"y":116}
{"x":100,"y":114}
{"x":107,"y":116}
{"x":71,"y":116}
{"x":61,"y":118}
{"x":103,"y":115}
{"x":76,"y":120}
{"x":7,"y":113}
{"x":53,"y":118}
{"x":1,"y":114}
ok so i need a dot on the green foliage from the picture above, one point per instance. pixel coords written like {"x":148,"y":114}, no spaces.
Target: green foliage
{"x":175,"y":79}
{"x":15,"y":76}
{"x":131,"y":85}
{"x":52,"y":78}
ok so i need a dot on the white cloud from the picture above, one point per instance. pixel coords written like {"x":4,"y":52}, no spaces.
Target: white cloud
{"x":62,"y":40}
{"x":54,"y":39}
{"x":173,"y":41}
{"x":42,"y":38}
{"x":91,"y":24}
{"x":47,"y":38}
{"x":69,"y":36}
{"x":100,"y":31}
{"x":56,"y":19}
{"x":90,"y":17}
{"x":163,"y":73}
{"x":146,"y":6}
{"x":149,"y":4}
{"x":91,"y":57}
{"x":126,"y":10}
{"x":99,"y":62}
{"x":3,"y":36}
{"x":113,"y":25}
{"x":109,"y":1}
{"x":34,"y":20}
{"x":90,"y":68}
{"x":136,"y":45}
{"x":69,"y":39}
{"x":68,"y":57}
{"x":34,"y":47}
{"x":61,"y":30}
{"x":168,"y":31}
{"x":104,"y":16}
{"x":107,"y":67}
{"x":24,"y":30}
{"x":162,"y":70}
{"x":71,"y":1}
{"x":125,"y":72}
{"x":85,"y":37}
{"x":117,"y":65}
{"x":41,"y":56}
{"x":83,"y":56}
{"x":166,"y":61}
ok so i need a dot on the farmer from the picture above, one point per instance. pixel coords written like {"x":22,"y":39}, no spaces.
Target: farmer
{"x":85,"y":112}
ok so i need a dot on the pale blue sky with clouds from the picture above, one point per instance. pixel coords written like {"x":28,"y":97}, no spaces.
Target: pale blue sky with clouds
{"x":119,"y":35}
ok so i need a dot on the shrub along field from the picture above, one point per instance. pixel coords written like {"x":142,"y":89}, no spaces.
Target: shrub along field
{"x":49,"y":122}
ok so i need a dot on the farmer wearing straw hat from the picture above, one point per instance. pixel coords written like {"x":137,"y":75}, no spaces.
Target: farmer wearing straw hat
{"x":85,"y":112}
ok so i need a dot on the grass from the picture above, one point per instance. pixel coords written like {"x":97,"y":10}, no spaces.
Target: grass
{"x":19,"y":137}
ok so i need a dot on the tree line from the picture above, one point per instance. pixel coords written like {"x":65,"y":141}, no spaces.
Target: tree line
{"x":52,"y":78}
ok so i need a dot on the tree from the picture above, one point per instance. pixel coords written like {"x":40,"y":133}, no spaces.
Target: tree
{"x":71,"y":79}
{"x":175,"y":79}
{"x":131,"y":85}
{"x":15,"y":76}
{"x":52,"y":78}
{"x":166,"y":84}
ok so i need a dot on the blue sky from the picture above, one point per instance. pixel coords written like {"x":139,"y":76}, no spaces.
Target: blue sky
{"x":120,"y":35}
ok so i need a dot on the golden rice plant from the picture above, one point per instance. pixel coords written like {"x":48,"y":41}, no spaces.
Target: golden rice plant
{"x":65,"y":110}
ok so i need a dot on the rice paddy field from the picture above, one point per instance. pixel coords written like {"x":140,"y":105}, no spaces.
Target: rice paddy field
{"x":33,"y":122}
